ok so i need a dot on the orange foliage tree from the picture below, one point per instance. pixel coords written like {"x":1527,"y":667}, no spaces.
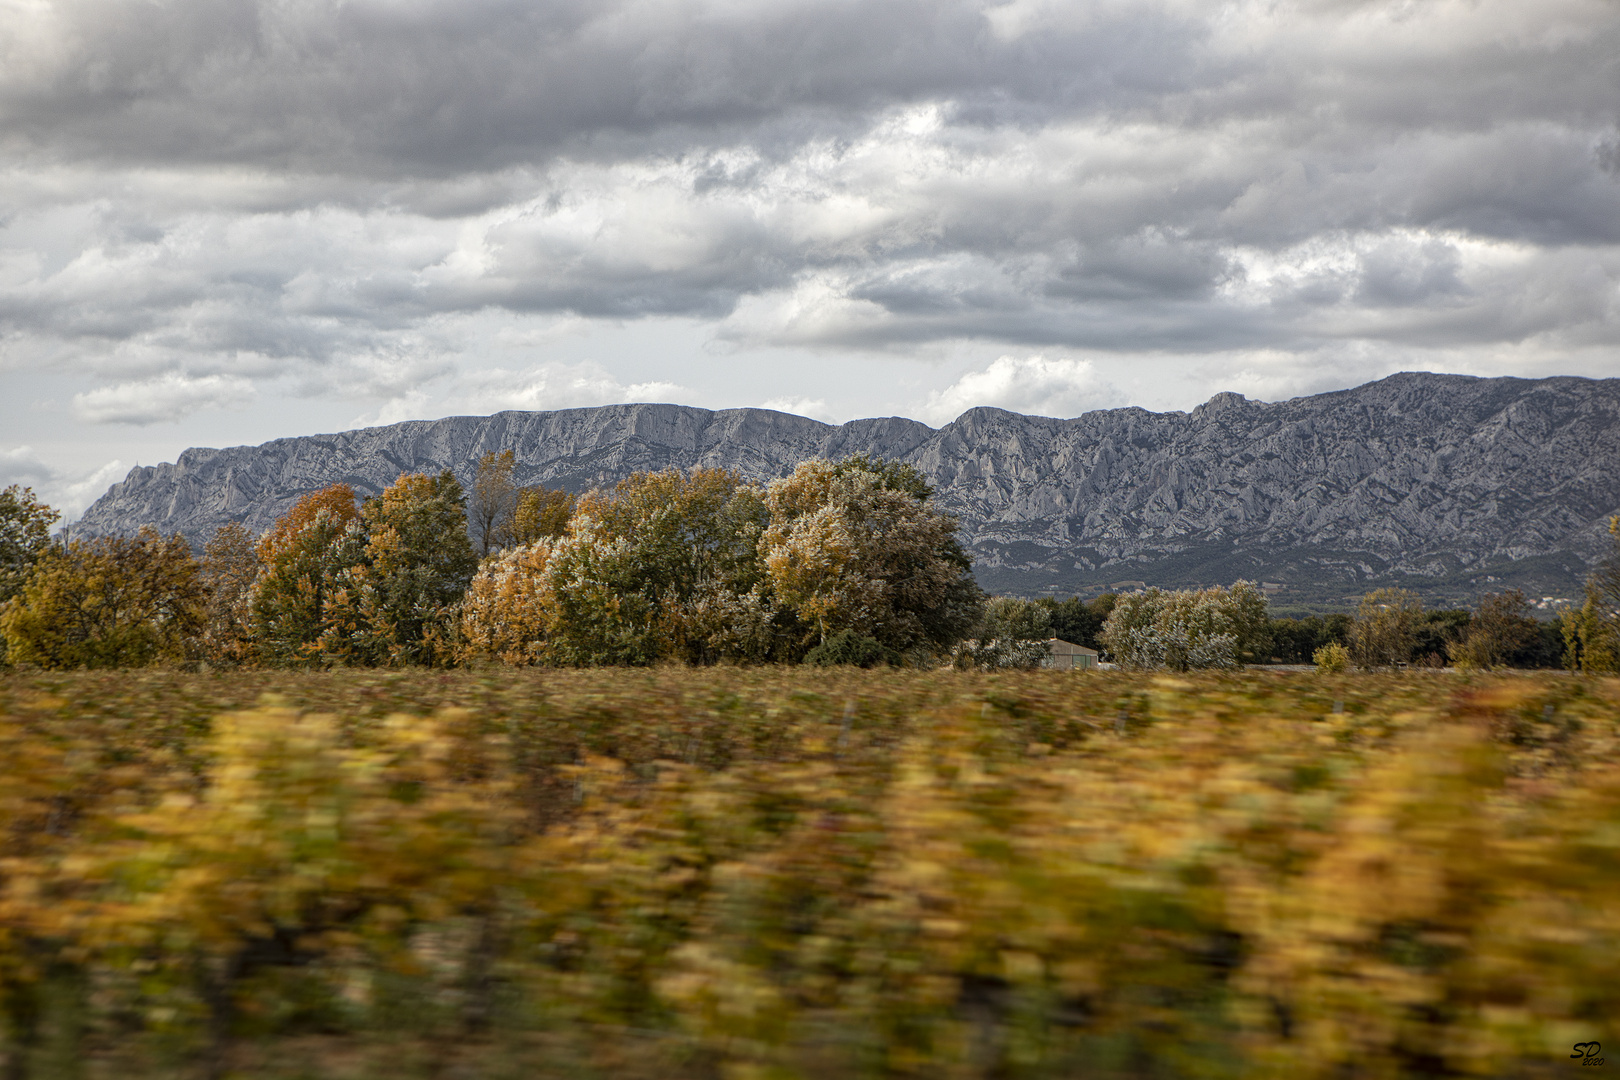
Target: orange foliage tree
{"x":378,"y":585}
{"x":303,"y":554}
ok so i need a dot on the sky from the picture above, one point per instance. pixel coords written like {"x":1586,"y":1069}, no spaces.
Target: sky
{"x":227,"y":221}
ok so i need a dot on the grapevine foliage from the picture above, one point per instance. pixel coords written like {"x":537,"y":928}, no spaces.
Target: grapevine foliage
{"x":797,"y":872}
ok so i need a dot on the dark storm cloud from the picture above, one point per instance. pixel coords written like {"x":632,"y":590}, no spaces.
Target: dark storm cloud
{"x":201,"y":194}
{"x":437,"y":88}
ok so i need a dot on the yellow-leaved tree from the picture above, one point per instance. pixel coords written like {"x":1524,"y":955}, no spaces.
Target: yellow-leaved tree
{"x":1592,"y":631}
{"x":1385,"y":629}
{"x":230,"y":566}
{"x":539,"y":513}
{"x":108,"y":602}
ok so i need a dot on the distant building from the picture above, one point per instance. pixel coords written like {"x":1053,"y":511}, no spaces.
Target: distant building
{"x":1066,"y":656}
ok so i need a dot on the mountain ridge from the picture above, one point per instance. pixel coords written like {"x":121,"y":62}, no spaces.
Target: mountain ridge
{"x":1430,"y":480}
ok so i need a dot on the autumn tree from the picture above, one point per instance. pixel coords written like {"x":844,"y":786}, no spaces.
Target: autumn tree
{"x":108,"y":602}
{"x":507,"y":612}
{"x":494,"y":499}
{"x":1592,"y":631}
{"x":664,"y":565}
{"x":302,"y":556}
{"x":539,"y":513}
{"x":25,"y":537}
{"x":1502,"y":627}
{"x":1385,"y":630}
{"x":230,"y":566}
{"x":857,"y":545}
{"x":399,"y":598}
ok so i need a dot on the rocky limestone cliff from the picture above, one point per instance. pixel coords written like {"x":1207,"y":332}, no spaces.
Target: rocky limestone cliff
{"x":1451,"y":484}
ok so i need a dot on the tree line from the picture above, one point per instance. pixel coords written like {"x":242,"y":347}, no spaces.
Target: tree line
{"x":843,"y":562}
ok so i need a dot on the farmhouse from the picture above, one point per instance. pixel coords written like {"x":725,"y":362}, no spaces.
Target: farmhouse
{"x":1066,"y":656}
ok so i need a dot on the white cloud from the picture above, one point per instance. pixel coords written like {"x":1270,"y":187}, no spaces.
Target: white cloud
{"x":537,"y":388}
{"x":67,"y":492}
{"x":74,"y":493}
{"x":164,"y":399}
{"x":1032,"y":384}
{"x":558,"y":386}
{"x":21,"y":465}
{"x":815,"y":408}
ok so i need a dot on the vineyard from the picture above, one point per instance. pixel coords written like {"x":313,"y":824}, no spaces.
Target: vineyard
{"x":793,"y":872}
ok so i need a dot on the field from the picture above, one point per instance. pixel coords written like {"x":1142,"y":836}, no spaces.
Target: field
{"x":786,"y":872}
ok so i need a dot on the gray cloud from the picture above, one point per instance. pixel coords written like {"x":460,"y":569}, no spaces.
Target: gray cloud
{"x":206,"y":196}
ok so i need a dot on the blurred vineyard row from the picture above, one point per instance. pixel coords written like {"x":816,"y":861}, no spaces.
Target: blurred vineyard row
{"x":780,"y":872}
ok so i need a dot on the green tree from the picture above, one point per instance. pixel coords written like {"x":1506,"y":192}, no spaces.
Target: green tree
{"x":1297,"y":640}
{"x":399,"y":597}
{"x":1014,"y":633}
{"x":25,"y":537}
{"x":847,"y":648}
{"x":676,"y":568}
{"x":1501,"y":628}
{"x":420,"y":563}
{"x":1079,"y":621}
{"x":302,"y":556}
{"x":857,"y":546}
{"x":1385,"y":631}
{"x":108,"y":602}
{"x":1181,"y":630}
{"x":1592,"y":632}
{"x":1437,"y":633}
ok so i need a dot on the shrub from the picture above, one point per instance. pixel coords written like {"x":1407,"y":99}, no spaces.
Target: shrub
{"x":1331,"y":658}
{"x":848,"y":647}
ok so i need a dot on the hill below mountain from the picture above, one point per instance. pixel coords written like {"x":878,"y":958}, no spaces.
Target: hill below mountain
{"x":1448,"y":484}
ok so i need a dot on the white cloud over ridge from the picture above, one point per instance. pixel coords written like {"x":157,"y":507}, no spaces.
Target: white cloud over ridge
{"x":538,"y":388}
{"x":1036,"y":385}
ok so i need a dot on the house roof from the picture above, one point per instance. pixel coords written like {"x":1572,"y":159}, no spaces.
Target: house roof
{"x":1068,"y":648}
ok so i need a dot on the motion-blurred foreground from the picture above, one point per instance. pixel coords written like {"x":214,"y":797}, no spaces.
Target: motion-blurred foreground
{"x":777,"y":873}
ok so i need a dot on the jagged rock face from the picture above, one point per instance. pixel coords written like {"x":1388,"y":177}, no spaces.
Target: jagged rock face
{"x":1418,"y":479}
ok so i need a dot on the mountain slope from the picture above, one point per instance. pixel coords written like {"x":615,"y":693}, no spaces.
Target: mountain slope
{"x":1448,"y":483}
